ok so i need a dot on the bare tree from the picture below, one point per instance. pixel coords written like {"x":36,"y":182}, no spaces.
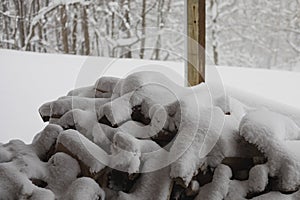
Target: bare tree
{"x":161,"y":23}
{"x":64,"y":30}
{"x":125,"y":26}
{"x":40,"y":28}
{"x":143,"y":30}
{"x":19,"y":6}
{"x":85,"y":27}
{"x":214,"y":11}
{"x":106,"y":28}
{"x":5,"y":24}
{"x":74,"y":30}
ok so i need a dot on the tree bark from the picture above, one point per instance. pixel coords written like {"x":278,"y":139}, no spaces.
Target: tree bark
{"x":85,"y":26}
{"x":45,"y":33}
{"x":19,"y":6}
{"x":143,"y":40}
{"x":160,"y":24}
{"x":126,"y":51}
{"x":32,"y":13}
{"x":40,"y":28}
{"x":74,"y":31}
{"x":5,"y":24}
{"x":64,"y":30}
{"x":22,"y":23}
{"x":214,"y":32}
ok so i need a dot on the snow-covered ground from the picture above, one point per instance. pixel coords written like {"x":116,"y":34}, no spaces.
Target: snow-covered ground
{"x":280,"y":86}
{"x":30,"y":79}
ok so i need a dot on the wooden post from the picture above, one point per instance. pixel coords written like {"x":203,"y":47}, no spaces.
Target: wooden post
{"x":196,"y":41}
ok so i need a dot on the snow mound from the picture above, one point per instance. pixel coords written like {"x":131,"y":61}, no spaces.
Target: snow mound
{"x":269,"y":131}
{"x":145,"y":137}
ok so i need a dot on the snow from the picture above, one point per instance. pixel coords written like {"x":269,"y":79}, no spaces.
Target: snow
{"x":230,"y":144}
{"x":258,"y":178}
{"x":269,"y":131}
{"x":133,"y":153}
{"x":193,"y":188}
{"x":193,"y":141}
{"x":218,"y":188}
{"x":117,"y":111}
{"x":147,"y":186}
{"x":24,"y":169}
{"x":84,"y":188}
{"x":42,"y":77}
{"x":82,"y":120}
{"x":82,"y":148}
{"x":61,"y":106}
{"x":42,"y":68}
{"x":106,"y":84}
{"x":44,"y":140}
{"x":253,"y":101}
{"x":278,"y":86}
{"x":278,"y":196}
{"x":209,"y":130}
{"x":34,"y":81}
{"x":62,"y":171}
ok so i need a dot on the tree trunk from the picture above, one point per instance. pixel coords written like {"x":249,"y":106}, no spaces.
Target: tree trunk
{"x":19,"y":6}
{"x":64,"y":30}
{"x":45,"y":28}
{"x":126,"y":51}
{"x":85,"y":27}
{"x":40,"y":28}
{"x":113,"y":30}
{"x":95,"y":32}
{"x":5,"y":24}
{"x":74,"y":30}
{"x":214,"y":7}
{"x":22,"y":23}
{"x":113,"y":16}
{"x":143,"y":40}
{"x":159,"y":25}
{"x":31,"y":15}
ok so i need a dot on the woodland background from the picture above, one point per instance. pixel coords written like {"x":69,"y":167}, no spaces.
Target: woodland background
{"x":243,"y":33}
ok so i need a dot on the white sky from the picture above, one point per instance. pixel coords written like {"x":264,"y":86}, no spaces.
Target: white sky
{"x":29,"y":79}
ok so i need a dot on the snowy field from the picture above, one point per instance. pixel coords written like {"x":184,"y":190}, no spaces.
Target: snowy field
{"x":30,"y":79}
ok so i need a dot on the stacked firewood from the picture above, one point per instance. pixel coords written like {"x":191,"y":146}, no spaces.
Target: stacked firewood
{"x":144,"y":137}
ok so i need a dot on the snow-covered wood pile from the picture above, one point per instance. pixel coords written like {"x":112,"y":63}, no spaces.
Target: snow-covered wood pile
{"x":144,"y":137}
